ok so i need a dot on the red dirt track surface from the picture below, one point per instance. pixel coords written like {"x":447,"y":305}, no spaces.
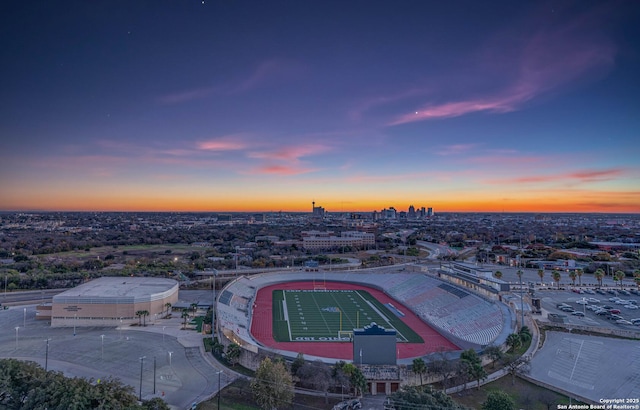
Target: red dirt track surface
{"x":262,"y":326}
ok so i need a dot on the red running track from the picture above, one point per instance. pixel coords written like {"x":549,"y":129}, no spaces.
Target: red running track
{"x":262,"y":326}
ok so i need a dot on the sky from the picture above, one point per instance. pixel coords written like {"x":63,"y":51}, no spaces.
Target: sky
{"x":232,"y":105}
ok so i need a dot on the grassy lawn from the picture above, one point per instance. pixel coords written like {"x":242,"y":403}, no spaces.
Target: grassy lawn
{"x":238,"y":396}
{"x":526,"y":395}
{"x":138,"y":250}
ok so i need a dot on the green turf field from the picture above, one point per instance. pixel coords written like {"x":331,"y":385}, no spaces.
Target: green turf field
{"x":319,"y":315}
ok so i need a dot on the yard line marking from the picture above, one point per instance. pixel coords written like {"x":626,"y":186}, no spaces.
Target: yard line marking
{"x":286,"y":313}
{"x":313,"y":296}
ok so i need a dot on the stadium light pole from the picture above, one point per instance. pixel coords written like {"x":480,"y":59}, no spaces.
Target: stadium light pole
{"x":141,"y":367}
{"x":102,"y":347}
{"x":75,"y":318}
{"x":17,"y":327}
{"x":154,"y":375}
{"x":170,"y":353}
{"x":46,"y":356}
{"x":219,"y":388}
{"x":24,"y":321}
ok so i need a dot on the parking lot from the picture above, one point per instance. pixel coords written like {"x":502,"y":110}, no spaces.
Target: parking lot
{"x":605,"y":307}
{"x":130,"y":353}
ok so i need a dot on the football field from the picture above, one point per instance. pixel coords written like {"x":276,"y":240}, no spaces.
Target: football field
{"x":331,"y":315}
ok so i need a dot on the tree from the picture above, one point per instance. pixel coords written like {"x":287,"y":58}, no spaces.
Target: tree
{"x":417,"y":397}
{"x":579,"y":272}
{"x":233,"y":353}
{"x":541,"y":274}
{"x":498,"y":274}
{"x":514,"y":341}
{"x":498,"y":400}
{"x":619,"y":276}
{"x":144,"y":313}
{"x":26,"y":385}
{"x":315,"y":375}
{"x":442,"y":368}
{"x":474,"y":365}
{"x":494,"y":353}
{"x":139,"y":314}
{"x":168,"y":307}
{"x":419,"y":367}
{"x":525,"y":334}
{"x":599,"y":274}
{"x":272,"y":386}
{"x":297,"y":363}
{"x":194,"y":307}
{"x":356,"y":379}
{"x":519,"y":273}
{"x":184,"y":316}
{"x":516,"y":365}
{"x":573,"y":276}
{"x":556,"y":278}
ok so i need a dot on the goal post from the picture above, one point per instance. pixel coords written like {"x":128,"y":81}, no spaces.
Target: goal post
{"x":345,"y":334}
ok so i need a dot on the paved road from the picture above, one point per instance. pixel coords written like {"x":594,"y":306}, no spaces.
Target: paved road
{"x":181,"y":371}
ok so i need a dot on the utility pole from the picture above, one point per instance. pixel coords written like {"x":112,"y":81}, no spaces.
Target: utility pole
{"x":141,"y":367}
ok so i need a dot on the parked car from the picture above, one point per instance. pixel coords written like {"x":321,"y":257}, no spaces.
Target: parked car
{"x":635,"y":291}
{"x":582,"y":302}
{"x":635,"y":321}
{"x":614,"y":311}
{"x":625,"y":292}
{"x":560,"y":305}
{"x":631,"y":306}
{"x":589,"y":291}
{"x":594,"y":300}
{"x":607,"y":307}
{"x":623,"y":322}
{"x":615,"y":317}
{"x":603,"y":312}
{"x":600,"y":292}
{"x":577,"y":314}
{"x":355,"y":404}
{"x":567,"y":309}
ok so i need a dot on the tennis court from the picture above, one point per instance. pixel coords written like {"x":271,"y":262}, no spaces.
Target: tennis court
{"x":331,"y":315}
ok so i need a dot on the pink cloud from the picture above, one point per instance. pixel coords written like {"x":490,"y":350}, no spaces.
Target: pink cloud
{"x":227,"y":143}
{"x":266,"y":71}
{"x":282,"y":170}
{"x":551,"y":58}
{"x":292,"y":153}
{"x":578,"y":176}
{"x":189,"y":95}
{"x":456,"y":149}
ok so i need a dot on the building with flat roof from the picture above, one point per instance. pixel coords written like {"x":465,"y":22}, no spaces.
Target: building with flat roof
{"x":113,"y":301}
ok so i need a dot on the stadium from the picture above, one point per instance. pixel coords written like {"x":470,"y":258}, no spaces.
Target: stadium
{"x":315,"y":313}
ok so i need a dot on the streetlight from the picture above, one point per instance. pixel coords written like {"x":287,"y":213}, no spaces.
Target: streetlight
{"x":24,"y":321}
{"x":219,"y":389}
{"x":163,"y":327}
{"x":46,"y":356}
{"x":75,"y":318}
{"x":141,"y":366}
{"x":102,"y":346}
{"x":170,"y":353}
{"x":154,"y":375}
{"x":17,"y":327}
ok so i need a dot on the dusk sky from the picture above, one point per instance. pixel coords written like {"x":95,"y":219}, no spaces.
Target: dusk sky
{"x":499,"y":106}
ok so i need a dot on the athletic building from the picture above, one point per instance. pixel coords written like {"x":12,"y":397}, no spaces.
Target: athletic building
{"x":113,"y":301}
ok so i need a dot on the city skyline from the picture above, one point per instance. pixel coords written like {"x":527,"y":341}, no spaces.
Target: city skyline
{"x":358,"y":106}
